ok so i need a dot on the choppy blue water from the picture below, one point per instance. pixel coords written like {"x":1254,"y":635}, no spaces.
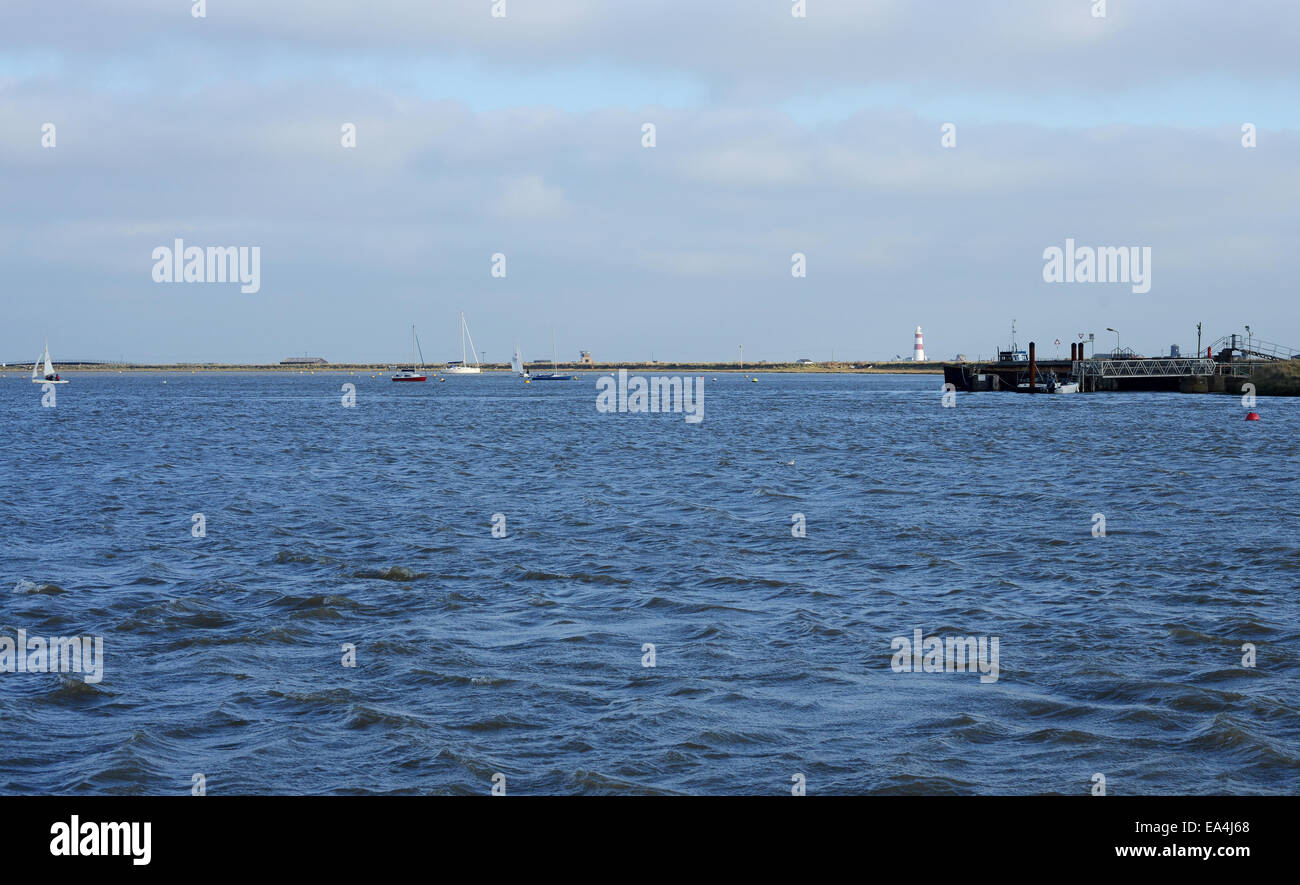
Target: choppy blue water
{"x":523,"y":655}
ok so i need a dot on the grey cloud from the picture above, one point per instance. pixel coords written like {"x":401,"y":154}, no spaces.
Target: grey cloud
{"x":739,"y":49}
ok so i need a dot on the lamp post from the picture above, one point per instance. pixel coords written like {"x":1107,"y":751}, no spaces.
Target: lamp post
{"x":1116,"y":331}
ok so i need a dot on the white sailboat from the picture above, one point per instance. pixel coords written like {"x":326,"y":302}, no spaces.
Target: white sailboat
{"x":517,"y":364}
{"x":45,"y":374}
{"x":463,"y":367}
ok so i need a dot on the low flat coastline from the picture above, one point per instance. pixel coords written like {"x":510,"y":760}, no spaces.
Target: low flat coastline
{"x":1271,"y":379}
{"x":883,"y":368}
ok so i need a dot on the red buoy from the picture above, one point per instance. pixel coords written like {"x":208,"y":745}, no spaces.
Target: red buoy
{"x":1252,"y":416}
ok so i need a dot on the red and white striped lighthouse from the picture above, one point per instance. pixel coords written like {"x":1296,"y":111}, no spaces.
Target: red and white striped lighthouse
{"x":918,"y":352}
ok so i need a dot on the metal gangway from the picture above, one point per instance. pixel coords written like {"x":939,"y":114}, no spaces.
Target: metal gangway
{"x":1158,"y":367}
{"x":1250,"y":348}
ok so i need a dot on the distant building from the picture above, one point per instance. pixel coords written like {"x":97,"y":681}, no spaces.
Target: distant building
{"x":584,"y":358}
{"x":1174,"y":352}
{"x":805,"y":362}
{"x":303,"y":361}
{"x":918,"y":349}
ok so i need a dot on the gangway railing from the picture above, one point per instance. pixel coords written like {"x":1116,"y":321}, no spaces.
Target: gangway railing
{"x":1162,"y":367}
{"x":1253,"y":348}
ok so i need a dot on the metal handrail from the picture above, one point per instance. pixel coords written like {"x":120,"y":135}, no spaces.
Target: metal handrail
{"x":1160,"y":367}
{"x":1254,"y":347}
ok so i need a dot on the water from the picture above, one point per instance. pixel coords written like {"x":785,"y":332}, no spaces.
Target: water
{"x":522,"y":655}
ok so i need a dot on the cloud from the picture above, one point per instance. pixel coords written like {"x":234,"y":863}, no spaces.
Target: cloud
{"x":226,"y":131}
{"x":529,"y":198}
{"x":741,"y":49}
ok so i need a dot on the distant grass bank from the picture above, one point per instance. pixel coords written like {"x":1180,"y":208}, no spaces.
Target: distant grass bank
{"x":892,"y":368}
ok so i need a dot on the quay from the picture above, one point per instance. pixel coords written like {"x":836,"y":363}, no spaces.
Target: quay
{"x":1225,"y":367}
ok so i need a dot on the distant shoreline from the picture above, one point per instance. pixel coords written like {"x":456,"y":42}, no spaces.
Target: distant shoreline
{"x":883,"y":368}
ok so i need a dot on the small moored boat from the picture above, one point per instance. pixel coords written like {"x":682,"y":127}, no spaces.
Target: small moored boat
{"x":1050,"y":383}
{"x":554,"y":375}
{"x":414,"y":372}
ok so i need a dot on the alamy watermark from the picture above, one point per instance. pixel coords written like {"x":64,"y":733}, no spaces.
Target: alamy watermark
{"x":1100,"y":264}
{"x":179,"y":263}
{"x":76,"y":838}
{"x":946,"y":654}
{"x":55,"y":654}
{"x":659,"y":393}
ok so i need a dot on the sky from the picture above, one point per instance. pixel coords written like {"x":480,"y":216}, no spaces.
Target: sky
{"x":522,"y":135}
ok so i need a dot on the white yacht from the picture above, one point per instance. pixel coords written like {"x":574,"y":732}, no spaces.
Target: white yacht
{"x":462,"y":367}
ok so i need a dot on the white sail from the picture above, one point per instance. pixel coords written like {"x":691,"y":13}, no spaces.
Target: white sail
{"x":46,"y":376}
{"x":517,"y":363}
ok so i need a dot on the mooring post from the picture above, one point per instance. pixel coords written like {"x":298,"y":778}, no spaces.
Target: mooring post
{"x":1033,"y":367}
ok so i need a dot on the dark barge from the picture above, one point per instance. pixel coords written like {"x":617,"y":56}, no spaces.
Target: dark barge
{"x":1227,"y":365}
